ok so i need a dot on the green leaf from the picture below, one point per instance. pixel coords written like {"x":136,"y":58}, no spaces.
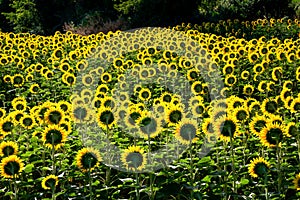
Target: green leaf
{"x":29,"y":168}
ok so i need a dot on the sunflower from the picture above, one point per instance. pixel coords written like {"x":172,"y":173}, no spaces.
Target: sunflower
{"x":192,"y":74}
{"x":6,"y":126}
{"x":54,"y":136}
{"x":149,"y":126}
{"x":186,"y":131}
{"x":49,"y":182}
{"x":34,"y":88}
{"x":87,"y":80}
{"x":106,"y":77}
{"x":228,"y":69}
{"x":87,"y":159}
{"x":226,"y":127}
{"x":241,"y":114}
{"x":80,"y":113}
{"x":295,"y":105}
{"x":208,"y":129}
{"x":262,"y":86}
{"x":258,"y":167}
{"x":134,"y":158}
{"x":296,"y":182}
{"x":19,"y":105}
{"x":174,"y":115}
{"x":248,"y":89}
{"x":18,"y":80}
{"x":272,"y":135}
{"x":291,"y":129}
{"x":257,"y":124}
{"x":11,"y":166}
{"x":269,"y":106}
{"x":276,"y":73}
{"x":166,"y":97}
{"x":27,"y":121}
{"x":54,"y":115}
{"x":198,"y":109}
{"x":65,"y":106}
{"x":288,"y":85}
{"x":8,"y":148}
{"x":69,"y":79}
{"x":105,"y":118}
{"x":230,"y":80}
{"x":258,"y":68}
{"x":145,"y":94}
{"x":196,"y":87}
{"x":245,"y":75}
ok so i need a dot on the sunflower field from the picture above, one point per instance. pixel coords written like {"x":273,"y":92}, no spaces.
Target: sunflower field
{"x":195,"y":111}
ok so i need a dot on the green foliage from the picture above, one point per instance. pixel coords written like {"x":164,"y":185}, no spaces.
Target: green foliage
{"x":24,"y":17}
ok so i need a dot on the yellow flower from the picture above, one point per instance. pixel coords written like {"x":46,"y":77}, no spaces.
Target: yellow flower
{"x":54,"y":136}
{"x":87,"y":159}
{"x":11,"y":166}
{"x":186,"y":131}
{"x":272,"y":135}
{"x":49,"y":182}
{"x":258,"y":167}
{"x":8,"y":148}
{"x":296,"y":182}
{"x":134,"y":158}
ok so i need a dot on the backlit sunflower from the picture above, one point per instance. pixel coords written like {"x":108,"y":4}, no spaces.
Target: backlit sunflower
{"x":19,"y":105}
{"x":295,"y":105}
{"x":196,"y":87}
{"x":87,"y":159}
{"x":226,"y":127}
{"x":174,"y":115}
{"x":262,"y":86}
{"x":186,"y":131}
{"x":18,"y":80}
{"x":54,"y":136}
{"x":230,"y":80}
{"x":54,"y":115}
{"x":134,"y":158}
{"x":258,"y":167}
{"x":208,"y":129}
{"x":276,"y":73}
{"x":149,"y":126}
{"x":27,"y":121}
{"x":34,"y":88}
{"x":105,"y":118}
{"x":241,"y":114}
{"x":8,"y":148}
{"x":248,"y":89}
{"x":269,"y":106}
{"x":198,"y":109}
{"x":296,"y":182}
{"x":272,"y":135}
{"x":257,"y":124}
{"x":291,"y":129}
{"x":11,"y":166}
{"x":106,"y":77}
{"x":6,"y":126}
{"x":49,"y":182}
{"x":145,"y":94}
{"x":245,"y":75}
{"x":80,"y":113}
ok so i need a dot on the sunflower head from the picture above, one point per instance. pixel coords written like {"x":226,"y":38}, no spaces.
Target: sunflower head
{"x":8,"y":148}
{"x":186,"y":131}
{"x":11,"y":166}
{"x":226,"y":127}
{"x":134,"y":158}
{"x":258,"y":167}
{"x":296,"y":182}
{"x":272,"y":135}
{"x":49,"y":182}
{"x":88,"y":159}
{"x":54,"y":136}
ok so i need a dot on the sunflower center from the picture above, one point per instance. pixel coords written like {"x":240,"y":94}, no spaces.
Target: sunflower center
{"x":293,"y":130}
{"x":54,"y":137}
{"x":8,"y":150}
{"x":260,"y":169}
{"x":271,"y":106}
{"x":55,"y":117}
{"x":199,"y":109}
{"x":80,"y":113}
{"x":274,"y":136}
{"x":188,"y":132}
{"x":297,"y":106}
{"x":134,"y":160}
{"x":259,"y":125}
{"x":20,"y":107}
{"x":198,"y":88}
{"x":241,"y":115}
{"x":107,"y":117}
{"x":7,"y":126}
{"x":145,"y":94}
{"x":175,"y":116}
{"x":89,"y":160}
{"x":18,"y":80}
{"x":167,"y":98}
{"x":148,"y":125}
{"x":28,"y":121}
{"x":228,"y":128}
{"x":50,"y":183}
{"x":11,"y":168}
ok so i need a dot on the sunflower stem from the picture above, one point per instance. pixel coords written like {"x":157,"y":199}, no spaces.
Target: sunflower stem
{"x":233,"y":163}
{"x":266,"y":186}
{"x":137,"y":191}
{"x":278,"y":153}
{"x":15,"y":188}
